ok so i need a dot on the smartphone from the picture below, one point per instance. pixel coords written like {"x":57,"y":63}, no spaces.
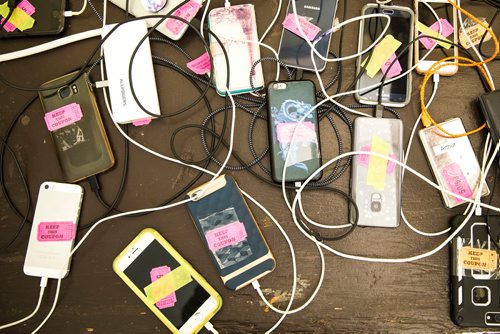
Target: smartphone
{"x":376,"y":182}
{"x":288,"y":102}
{"x":475,"y":272}
{"x":445,"y":11}
{"x":74,"y":121}
{"x":48,"y":18}
{"x":396,"y":93}
{"x":229,"y":231}
{"x":293,"y":50}
{"x":231,"y":25}
{"x":188,"y":302}
{"x":53,"y":230}
{"x":453,"y":162}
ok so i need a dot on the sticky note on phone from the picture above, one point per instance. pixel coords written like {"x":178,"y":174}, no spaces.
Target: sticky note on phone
{"x":429,"y":32}
{"x":381,"y":54}
{"x":377,"y":166}
{"x":168,"y":284}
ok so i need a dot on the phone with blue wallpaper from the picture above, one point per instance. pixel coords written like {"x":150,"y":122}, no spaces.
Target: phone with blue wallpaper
{"x":288,"y":103}
{"x":229,"y":231}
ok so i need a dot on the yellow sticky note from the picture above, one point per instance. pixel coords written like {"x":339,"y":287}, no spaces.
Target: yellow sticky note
{"x":377,"y":167}
{"x":429,"y":32}
{"x":167,"y":284}
{"x":381,"y":54}
{"x":19,"y":19}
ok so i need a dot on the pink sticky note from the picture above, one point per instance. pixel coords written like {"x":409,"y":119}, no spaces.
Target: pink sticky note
{"x":226,"y":235}
{"x":364,"y":159}
{"x":187,"y":12}
{"x":56,"y":231}
{"x":26,"y":7}
{"x":456,"y":181}
{"x":310,"y":30}
{"x":63,"y":116}
{"x":446,"y":30}
{"x":141,"y":122}
{"x":306,"y":132}
{"x":171,"y":299}
{"x":200,"y":65}
{"x":395,"y":69}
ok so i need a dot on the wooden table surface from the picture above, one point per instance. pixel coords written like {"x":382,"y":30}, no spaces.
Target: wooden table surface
{"x":355,"y":296}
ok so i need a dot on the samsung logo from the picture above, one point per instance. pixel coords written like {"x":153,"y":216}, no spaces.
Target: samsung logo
{"x":311,"y":7}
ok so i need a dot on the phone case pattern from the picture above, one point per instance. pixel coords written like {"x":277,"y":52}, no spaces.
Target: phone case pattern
{"x":286,"y":108}
{"x":226,"y":237}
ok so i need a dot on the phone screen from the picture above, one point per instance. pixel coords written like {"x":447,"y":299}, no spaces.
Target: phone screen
{"x":294,"y":51}
{"x":425,"y":16}
{"x":401,"y":28}
{"x":288,"y":103}
{"x":154,"y":262}
{"x":48,"y":18}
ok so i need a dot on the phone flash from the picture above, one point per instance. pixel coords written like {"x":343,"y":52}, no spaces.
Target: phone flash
{"x":280,"y":85}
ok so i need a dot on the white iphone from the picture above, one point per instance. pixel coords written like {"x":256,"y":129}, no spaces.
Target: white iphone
{"x":449,"y":23}
{"x":185,"y":301}
{"x":53,"y":230}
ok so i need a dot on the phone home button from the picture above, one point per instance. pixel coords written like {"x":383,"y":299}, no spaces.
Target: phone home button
{"x":198,"y":317}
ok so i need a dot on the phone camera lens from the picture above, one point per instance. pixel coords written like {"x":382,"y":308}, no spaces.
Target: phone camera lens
{"x":64,"y":92}
{"x":46,"y":186}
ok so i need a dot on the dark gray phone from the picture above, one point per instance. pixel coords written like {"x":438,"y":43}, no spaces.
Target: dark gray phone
{"x":396,"y":93}
{"x":293,"y":50}
{"x":48,"y":16}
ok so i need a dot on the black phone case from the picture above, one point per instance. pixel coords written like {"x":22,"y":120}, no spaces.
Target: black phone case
{"x":49,"y":19}
{"x":224,"y":205}
{"x":286,"y":107}
{"x":464,"y":291}
{"x":490,"y":106}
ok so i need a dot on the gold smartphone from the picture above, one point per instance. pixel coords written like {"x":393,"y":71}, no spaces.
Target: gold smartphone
{"x":74,"y":122}
{"x":176,"y":293}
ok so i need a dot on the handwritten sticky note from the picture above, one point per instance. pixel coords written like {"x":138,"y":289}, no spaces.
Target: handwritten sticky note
{"x":186,"y":12}
{"x":475,"y":32}
{"x":381,"y":54}
{"x":156,"y":274}
{"x":19,"y":18}
{"x":225,"y":236}
{"x":478,"y":259}
{"x":429,"y":32}
{"x":446,"y":30}
{"x":394,"y":70}
{"x":168,"y":284}
{"x":305,"y":132}
{"x":63,"y":116}
{"x":456,"y":181}
{"x":377,"y":167}
{"x":56,"y":231}
{"x":310,"y":30}
{"x":200,"y":65}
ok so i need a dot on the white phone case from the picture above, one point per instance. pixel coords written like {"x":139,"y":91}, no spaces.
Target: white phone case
{"x":53,"y":230}
{"x":376,"y":182}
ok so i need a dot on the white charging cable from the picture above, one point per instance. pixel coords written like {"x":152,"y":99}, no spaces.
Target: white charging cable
{"x":43,"y":284}
{"x":70,"y":13}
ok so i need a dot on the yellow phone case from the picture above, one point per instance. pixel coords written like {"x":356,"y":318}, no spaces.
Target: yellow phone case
{"x":194,"y":274}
